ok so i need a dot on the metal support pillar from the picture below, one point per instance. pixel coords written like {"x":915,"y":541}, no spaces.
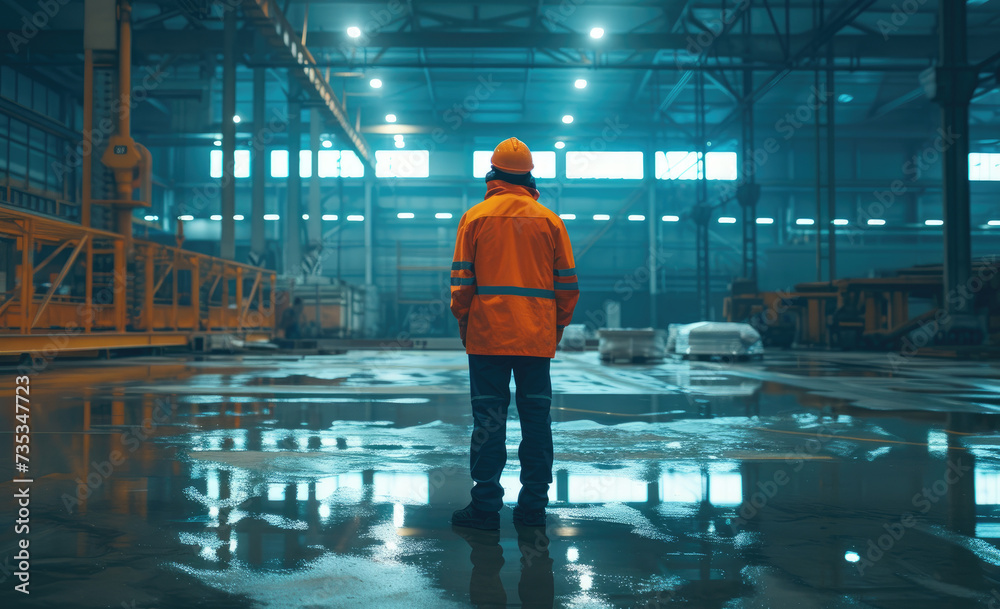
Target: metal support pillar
{"x":258,"y":243}
{"x":292,"y":215}
{"x":87,"y":147}
{"x":27,"y":275}
{"x":831,"y":165}
{"x":702,"y":211}
{"x":228,"y":242}
{"x":955,"y":83}
{"x":369,"y":228}
{"x":654,"y":246}
{"x":314,"y":228}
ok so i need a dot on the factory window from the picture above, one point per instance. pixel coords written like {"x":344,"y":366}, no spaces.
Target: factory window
{"x":544,"y":160}
{"x":331,"y":164}
{"x":984,"y":166}
{"x":241,"y":164}
{"x":402,"y":163}
{"x":683,"y":165}
{"x":604,"y":165}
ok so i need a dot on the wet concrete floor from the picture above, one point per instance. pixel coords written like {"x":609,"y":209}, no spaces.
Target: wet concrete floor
{"x":805,"y":480}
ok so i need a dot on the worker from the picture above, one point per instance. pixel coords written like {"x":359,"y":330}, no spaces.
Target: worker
{"x":513,"y":291}
{"x":291,"y":319}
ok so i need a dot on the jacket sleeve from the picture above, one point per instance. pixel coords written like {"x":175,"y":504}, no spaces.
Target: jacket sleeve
{"x":463,"y":277}
{"x":566,"y":286}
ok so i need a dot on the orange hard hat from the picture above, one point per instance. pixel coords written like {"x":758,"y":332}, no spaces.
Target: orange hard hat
{"x":512,"y":156}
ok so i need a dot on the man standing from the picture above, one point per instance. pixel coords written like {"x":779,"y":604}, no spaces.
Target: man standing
{"x":513,"y":290}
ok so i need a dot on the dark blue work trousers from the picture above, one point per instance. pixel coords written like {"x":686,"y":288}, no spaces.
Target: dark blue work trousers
{"x":490,"y":380}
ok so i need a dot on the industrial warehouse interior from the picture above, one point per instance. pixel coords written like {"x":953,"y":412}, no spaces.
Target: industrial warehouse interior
{"x":535,"y":303}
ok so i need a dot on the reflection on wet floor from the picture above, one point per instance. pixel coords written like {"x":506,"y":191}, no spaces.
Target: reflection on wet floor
{"x":328,"y":481}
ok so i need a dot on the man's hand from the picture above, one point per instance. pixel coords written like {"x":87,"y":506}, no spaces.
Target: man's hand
{"x":559,"y":333}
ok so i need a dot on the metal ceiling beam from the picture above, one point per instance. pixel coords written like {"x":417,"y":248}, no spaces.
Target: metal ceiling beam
{"x":274,"y":27}
{"x":766,"y":48}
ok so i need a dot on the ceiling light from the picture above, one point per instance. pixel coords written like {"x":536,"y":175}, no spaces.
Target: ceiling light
{"x":400,"y":144}
{"x":805,"y":222}
{"x":851,"y":556}
{"x":151,"y":218}
{"x":933,"y":222}
{"x":404,"y":215}
{"x":568,"y":216}
{"x":355,"y":218}
{"x":993,"y":223}
{"x":215,"y":217}
{"x":305,"y":216}
{"x":271,"y":216}
{"x":390,"y":118}
{"x":236,"y":118}
{"x":636,"y":218}
{"x":596,"y":32}
{"x":568,"y":118}
{"x":238,"y":217}
{"x":186,"y":217}
{"x":580,"y":83}
{"x":727,"y":220}
{"x":217,"y":142}
{"x":845,"y":98}
{"x":560,"y":145}
{"x":671,"y":218}
{"x":443,"y":215}
{"x":329,"y":217}
{"x":354,"y":31}
{"x":841,"y":222}
{"x":602,"y":217}
{"x":876,"y":222}
{"x":375,"y":83}
{"x":765,"y":220}
{"x":327,"y":144}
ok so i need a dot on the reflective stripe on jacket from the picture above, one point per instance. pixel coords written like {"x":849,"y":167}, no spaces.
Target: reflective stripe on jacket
{"x":513,"y":279}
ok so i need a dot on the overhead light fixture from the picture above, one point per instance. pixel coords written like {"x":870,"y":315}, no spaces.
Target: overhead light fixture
{"x":329,"y":217}
{"x":560,"y":144}
{"x":727,"y":220}
{"x":305,"y":216}
{"x":841,"y":222}
{"x":805,"y":222}
{"x":217,"y":142}
{"x":185,"y":217}
{"x":355,"y":218}
{"x":845,"y":98}
{"x":876,"y":222}
{"x":933,"y":222}
{"x":354,"y":31}
{"x":765,"y":220}
{"x":327,"y":144}
{"x":443,"y":215}
{"x":670,"y":218}
{"x":567,"y":118}
{"x":851,"y":556}
{"x":601,"y":217}
{"x":636,"y":218}
{"x":993,"y":223}
{"x":390,"y":118}
{"x":375,"y":83}
{"x":568,"y":216}
{"x":398,"y":137}
{"x":271,"y":216}
{"x":215,"y":217}
{"x":400,"y":144}
{"x":580,"y":83}
{"x":596,"y":32}
{"x":150,"y":218}
{"x":405,"y":215}
{"x":238,"y":217}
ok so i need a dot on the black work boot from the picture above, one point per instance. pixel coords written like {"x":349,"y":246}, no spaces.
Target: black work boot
{"x":529,"y":518}
{"x":476,"y":519}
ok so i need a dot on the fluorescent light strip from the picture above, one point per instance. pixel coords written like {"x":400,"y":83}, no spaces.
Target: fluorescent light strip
{"x":933,"y":222}
{"x":727,"y":220}
{"x":405,"y":215}
{"x":355,"y":218}
{"x":602,"y":217}
{"x":636,"y":218}
{"x":271,"y":216}
{"x":568,"y":216}
{"x":765,"y":220}
{"x":671,"y":218}
{"x":876,"y":222}
{"x":330,"y":217}
{"x":443,"y":215}
{"x":805,"y":222}
{"x":841,"y":222}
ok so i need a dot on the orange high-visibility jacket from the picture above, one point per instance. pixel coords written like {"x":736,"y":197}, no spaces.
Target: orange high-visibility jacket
{"x":513,"y":280}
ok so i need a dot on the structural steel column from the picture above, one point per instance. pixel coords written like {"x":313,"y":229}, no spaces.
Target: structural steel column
{"x":369,"y":228}
{"x":831,"y":165}
{"x":228,"y":242}
{"x":292,"y":215}
{"x":654,"y":245}
{"x":314,"y":228}
{"x":27,"y":275}
{"x":88,"y":128}
{"x":955,"y":83}
{"x":258,"y":243}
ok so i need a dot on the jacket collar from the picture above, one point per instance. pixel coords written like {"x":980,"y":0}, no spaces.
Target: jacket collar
{"x":497,"y":187}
